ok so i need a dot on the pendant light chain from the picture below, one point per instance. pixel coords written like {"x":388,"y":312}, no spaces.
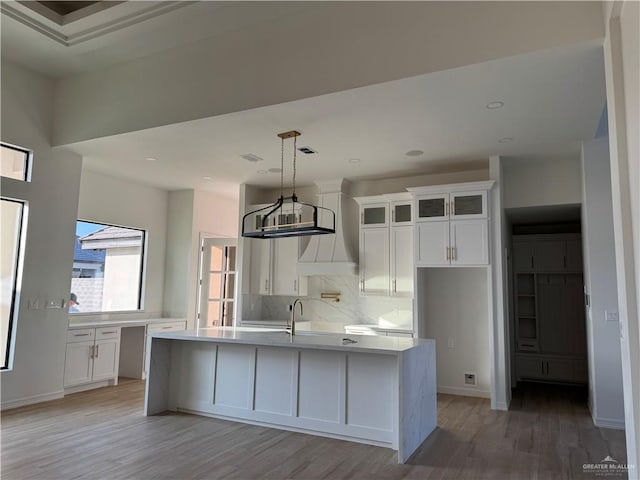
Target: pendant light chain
{"x":295,"y":139}
{"x":282,"y":167}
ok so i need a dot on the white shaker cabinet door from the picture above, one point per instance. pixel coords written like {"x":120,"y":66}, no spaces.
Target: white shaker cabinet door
{"x":432,"y":243}
{"x":469,"y":242}
{"x":260,"y":266}
{"x":285,"y":268}
{"x":374,"y":261}
{"x":402,"y":261}
{"x":105,"y":359}
{"x":78,"y":363}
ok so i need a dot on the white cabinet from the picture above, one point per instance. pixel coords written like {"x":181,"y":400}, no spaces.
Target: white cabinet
{"x":374,"y":261}
{"x":285,"y":279}
{"x":401,"y":261}
{"x":386,"y":245}
{"x":452,"y":225}
{"x":273,"y":265}
{"x":92,"y":355}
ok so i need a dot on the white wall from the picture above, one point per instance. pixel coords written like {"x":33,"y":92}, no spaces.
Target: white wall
{"x":52,"y":194}
{"x":455,"y":308}
{"x":605,"y":365}
{"x":115,"y":201}
{"x":247,"y":68}
{"x":213,"y":215}
{"x":178,"y":257}
{"x":622,"y":62}
{"x":536,"y":181}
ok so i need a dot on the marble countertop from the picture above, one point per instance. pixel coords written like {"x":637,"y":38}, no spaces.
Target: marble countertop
{"x":377,"y":328}
{"x":280,"y":338}
{"x":138,"y":322}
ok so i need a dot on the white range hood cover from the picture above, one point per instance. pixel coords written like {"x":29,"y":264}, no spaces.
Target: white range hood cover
{"x":329,"y":254}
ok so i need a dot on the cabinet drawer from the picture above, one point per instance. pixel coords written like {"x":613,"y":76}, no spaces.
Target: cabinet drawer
{"x":107,"y":332}
{"x":166,"y":327}
{"x":80,"y":335}
{"x":528,"y":345}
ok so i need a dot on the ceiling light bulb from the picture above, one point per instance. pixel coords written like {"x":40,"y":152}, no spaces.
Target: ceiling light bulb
{"x":495,"y":105}
{"x":505,"y":140}
{"x":151,"y":159}
{"x":206,"y":178}
{"x":354,"y":160}
{"x":275,"y":170}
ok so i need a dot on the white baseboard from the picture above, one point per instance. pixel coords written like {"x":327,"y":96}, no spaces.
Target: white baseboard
{"x":501,"y":406}
{"x":608,"y":423}
{"x":465,"y":392}
{"x":89,"y":386}
{"x":21,"y":402}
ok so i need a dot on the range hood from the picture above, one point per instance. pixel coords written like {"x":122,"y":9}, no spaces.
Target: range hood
{"x":330,"y":254}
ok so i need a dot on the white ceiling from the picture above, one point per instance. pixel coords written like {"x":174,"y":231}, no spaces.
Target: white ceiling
{"x":552,"y":101}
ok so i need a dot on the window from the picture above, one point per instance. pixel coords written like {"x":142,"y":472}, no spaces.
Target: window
{"x":217,"y":282}
{"x":107,"y":268}
{"x":12,"y":215}
{"x":14,"y":162}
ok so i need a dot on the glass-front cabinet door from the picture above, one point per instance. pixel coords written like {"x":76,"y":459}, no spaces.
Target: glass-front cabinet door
{"x":468,"y":205}
{"x":401,"y":213}
{"x":433,"y":207}
{"x":374,"y":215}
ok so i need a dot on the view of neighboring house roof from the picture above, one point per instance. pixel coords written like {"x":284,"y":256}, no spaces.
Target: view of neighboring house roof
{"x":112,"y":237}
{"x":109,"y":233}
{"x":89,"y":256}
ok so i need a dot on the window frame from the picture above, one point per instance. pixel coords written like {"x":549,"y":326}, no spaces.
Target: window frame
{"x":17,"y":282}
{"x":28,"y":163}
{"x":141,"y":278}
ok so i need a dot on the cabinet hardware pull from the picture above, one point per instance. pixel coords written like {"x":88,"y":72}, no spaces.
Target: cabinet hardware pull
{"x":454,"y":253}
{"x":542,"y":365}
{"x":362,"y":285}
{"x":166,"y":328}
{"x":295,"y":285}
{"x":447,"y":254}
{"x":531,"y":261}
{"x":106,"y":333}
{"x":97,"y":351}
{"x":446,"y":209}
{"x":453,"y":208}
{"x":362,"y":218}
{"x":81,"y":334}
{"x":91,"y":351}
{"x":564,"y":261}
{"x":547,"y":368}
{"x":266,"y":284}
{"x":394,"y":287}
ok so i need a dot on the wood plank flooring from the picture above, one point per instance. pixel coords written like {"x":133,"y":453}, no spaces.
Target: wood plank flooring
{"x":102,"y":434}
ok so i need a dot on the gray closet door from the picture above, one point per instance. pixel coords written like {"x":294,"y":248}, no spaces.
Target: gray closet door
{"x":523,"y":256}
{"x":549,"y":256}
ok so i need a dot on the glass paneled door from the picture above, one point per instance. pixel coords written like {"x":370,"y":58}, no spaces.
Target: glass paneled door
{"x":217,"y":282}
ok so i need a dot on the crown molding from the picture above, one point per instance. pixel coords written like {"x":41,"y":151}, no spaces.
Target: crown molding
{"x":58,"y":30}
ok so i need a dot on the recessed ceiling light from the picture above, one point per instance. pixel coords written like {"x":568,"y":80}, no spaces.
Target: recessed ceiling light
{"x":261,"y":172}
{"x":151,"y":159}
{"x":495,"y":105}
{"x":275,"y":170}
{"x":505,"y":140}
{"x":414,"y":153}
{"x":206,"y":178}
{"x":354,"y":160}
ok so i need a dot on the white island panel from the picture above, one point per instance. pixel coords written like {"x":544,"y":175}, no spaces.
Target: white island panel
{"x":276,"y":373}
{"x":378,"y":392}
{"x":234,"y":376}
{"x":321,"y":386}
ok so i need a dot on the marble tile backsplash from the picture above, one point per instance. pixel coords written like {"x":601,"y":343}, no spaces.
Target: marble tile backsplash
{"x":328,"y":314}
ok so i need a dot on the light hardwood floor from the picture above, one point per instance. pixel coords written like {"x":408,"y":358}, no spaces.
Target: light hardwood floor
{"x":102,"y":434}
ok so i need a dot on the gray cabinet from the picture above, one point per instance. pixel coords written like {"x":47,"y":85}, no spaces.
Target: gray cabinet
{"x":549,"y":313}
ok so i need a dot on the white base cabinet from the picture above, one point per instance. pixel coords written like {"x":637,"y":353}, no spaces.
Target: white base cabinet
{"x":92,"y":355}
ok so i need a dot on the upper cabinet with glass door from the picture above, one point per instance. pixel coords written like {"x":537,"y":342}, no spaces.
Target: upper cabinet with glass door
{"x":459,"y":205}
{"x":374,"y":215}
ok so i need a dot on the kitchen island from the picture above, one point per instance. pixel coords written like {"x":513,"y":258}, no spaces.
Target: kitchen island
{"x":368,"y":389}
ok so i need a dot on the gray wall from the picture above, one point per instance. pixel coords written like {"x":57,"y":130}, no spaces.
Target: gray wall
{"x":52,"y":194}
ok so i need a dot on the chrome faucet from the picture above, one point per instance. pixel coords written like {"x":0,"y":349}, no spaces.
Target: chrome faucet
{"x":292,"y":328}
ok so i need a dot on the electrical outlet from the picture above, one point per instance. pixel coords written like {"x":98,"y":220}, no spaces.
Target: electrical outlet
{"x":33,"y":304}
{"x":470,"y":379}
{"x":451,"y":343}
{"x":611,"y":316}
{"x":53,"y":304}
